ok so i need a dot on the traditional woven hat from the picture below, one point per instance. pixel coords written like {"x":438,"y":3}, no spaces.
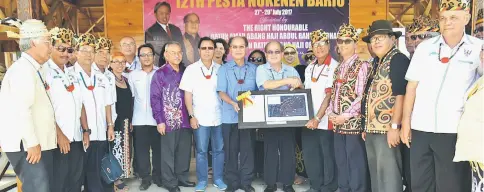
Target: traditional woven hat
{"x":86,"y":39}
{"x":453,"y":5}
{"x":425,"y":23}
{"x":104,"y":43}
{"x":319,"y":35}
{"x":348,"y":30}
{"x":33,"y":28}
{"x":62,"y":35}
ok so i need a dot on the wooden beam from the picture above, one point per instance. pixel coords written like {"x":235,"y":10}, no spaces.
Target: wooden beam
{"x":44,"y":6}
{"x":97,"y":22}
{"x":399,"y":16}
{"x":52,"y":9}
{"x":429,"y":6}
{"x":2,"y":15}
{"x":82,"y":12}
{"x":394,"y":19}
{"x":28,"y":9}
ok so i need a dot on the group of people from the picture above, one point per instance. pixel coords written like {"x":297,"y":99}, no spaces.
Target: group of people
{"x":384,"y":125}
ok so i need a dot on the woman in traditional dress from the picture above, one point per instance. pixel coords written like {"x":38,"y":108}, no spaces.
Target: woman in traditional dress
{"x":122,"y":125}
{"x":470,"y":133}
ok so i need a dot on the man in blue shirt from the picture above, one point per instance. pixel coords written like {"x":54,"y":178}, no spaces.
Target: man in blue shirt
{"x":234,"y":76}
{"x":278,"y":141}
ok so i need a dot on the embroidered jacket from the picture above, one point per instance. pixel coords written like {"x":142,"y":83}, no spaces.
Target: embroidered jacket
{"x":379,"y":98}
{"x":349,"y":82}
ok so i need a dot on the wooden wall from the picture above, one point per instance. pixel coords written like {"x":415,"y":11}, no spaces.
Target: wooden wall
{"x":121,"y":12}
{"x":124,"y":18}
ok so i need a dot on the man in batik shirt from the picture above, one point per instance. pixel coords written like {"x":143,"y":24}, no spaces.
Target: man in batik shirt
{"x":169,"y":111}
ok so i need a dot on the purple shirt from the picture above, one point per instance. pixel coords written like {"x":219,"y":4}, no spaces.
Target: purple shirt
{"x":167,"y":99}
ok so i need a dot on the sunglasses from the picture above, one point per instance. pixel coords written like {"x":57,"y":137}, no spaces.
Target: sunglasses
{"x":63,"y":49}
{"x":346,"y":41}
{"x":310,"y":57}
{"x":273,"y":52}
{"x":206,"y":48}
{"x":478,"y":30}
{"x":421,"y":36}
{"x":290,"y":53}
{"x":256,"y":59}
{"x":321,"y":43}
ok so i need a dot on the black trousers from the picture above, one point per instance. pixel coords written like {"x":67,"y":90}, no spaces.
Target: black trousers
{"x":34,"y":177}
{"x":350,"y":153}
{"x":407,"y":181}
{"x":432,"y":166}
{"x":239,"y":169}
{"x":279,"y":156}
{"x":319,"y":159}
{"x":94,"y":155}
{"x":69,"y":169}
{"x":175,"y":161}
{"x":146,"y":138}
{"x":259,"y":158}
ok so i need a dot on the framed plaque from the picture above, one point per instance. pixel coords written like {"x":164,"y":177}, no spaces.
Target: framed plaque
{"x":275,"y":108}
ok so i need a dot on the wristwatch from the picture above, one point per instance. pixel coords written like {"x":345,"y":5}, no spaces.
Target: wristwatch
{"x":86,"y":131}
{"x":191,"y":116}
{"x":396,"y":126}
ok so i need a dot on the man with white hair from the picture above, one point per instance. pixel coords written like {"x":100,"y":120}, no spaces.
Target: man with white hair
{"x":441,"y":71}
{"x":27,"y":129}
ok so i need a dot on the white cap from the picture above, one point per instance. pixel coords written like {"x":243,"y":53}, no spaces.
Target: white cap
{"x":33,"y":28}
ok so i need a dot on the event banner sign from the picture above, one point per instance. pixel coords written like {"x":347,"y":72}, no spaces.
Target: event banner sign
{"x":286,"y":21}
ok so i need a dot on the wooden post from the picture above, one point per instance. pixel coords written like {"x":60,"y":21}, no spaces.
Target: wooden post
{"x":28,"y":9}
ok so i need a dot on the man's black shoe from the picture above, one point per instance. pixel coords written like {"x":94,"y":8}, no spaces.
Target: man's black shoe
{"x":174,"y":189}
{"x":145,"y":184}
{"x":271,"y":188}
{"x":186,"y":184}
{"x":288,"y":188}
{"x":248,"y":188}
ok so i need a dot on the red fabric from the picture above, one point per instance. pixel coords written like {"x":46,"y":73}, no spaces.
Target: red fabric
{"x":328,"y":90}
{"x":330,"y":125}
{"x":168,"y":30}
{"x":327,"y":61}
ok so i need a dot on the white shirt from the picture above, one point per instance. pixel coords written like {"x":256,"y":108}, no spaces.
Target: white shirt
{"x":441,"y":87}
{"x":140,"y":84}
{"x":135,"y":65}
{"x":318,"y":88}
{"x":95,"y":101}
{"x":112,"y":86}
{"x":26,"y":113}
{"x":67,"y":105}
{"x":207,"y":106}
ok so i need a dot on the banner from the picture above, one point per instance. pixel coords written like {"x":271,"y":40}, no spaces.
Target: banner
{"x":286,"y":21}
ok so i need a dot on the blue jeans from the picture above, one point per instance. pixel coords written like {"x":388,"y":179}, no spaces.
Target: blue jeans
{"x":202,"y":136}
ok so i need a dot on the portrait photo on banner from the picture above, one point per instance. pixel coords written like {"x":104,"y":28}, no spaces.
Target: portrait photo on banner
{"x":286,"y":21}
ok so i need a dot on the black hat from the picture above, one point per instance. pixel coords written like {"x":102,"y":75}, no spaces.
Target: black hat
{"x":380,"y":27}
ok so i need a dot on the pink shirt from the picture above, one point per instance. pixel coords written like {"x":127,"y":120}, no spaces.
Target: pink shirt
{"x":355,"y":108}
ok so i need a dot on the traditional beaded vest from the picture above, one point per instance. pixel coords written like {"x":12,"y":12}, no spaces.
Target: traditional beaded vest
{"x":379,"y":99}
{"x":346,"y":96}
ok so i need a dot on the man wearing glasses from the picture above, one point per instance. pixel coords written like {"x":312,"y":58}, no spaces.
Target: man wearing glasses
{"x":146,"y":136}
{"x":169,"y":111}
{"x":279,"y":143}
{"x":28,"y":131}
{"x":317,"y":139}
{"x":128,"y":48}
{"x":65,"y":95}
{"x":344,"y":112}
{"x":382,"y":108}
{"x":204,"y":108}
{"x":441,"y":71}
{"x":234,"y":76}
{"x":97,"y":97}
